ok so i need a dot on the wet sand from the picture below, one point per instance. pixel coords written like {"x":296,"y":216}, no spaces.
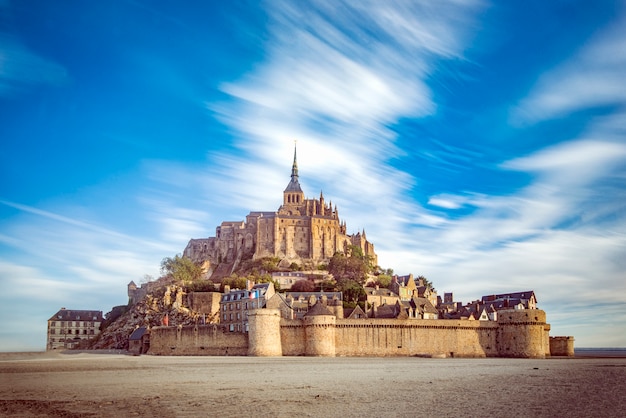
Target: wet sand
{"x":80,"y":385}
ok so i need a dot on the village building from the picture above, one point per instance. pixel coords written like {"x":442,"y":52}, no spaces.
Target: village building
{"x":68,"y":327}
{"x":295,"y":305}
{"x":380,"y":296}
{"x":286,"y":279}
{"x":236,"y":304}
{"x":526,"y":299}
{"x":139,"y":341}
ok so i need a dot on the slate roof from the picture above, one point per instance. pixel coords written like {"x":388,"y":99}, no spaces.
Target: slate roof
{"x":138,"y":333}
{"x":319,"y":310}
{"x":380,"y":291}
{"x":76,"y":315}
{"x":526,"y":295}
{"x":388,"y":311}
{"x":352,"y":313}
{"x":423,"y":305}
{"x":318,"y":295}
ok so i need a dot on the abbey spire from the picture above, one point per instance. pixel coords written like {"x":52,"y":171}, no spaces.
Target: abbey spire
{"x":293,"y":194}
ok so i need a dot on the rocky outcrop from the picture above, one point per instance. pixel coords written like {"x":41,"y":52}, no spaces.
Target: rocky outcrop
{"x":166,"y":305}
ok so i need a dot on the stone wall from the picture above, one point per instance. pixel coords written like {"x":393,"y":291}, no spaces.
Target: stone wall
{"x":519,"y":333}
{"x":562,"y":346}
{"x":204,"y":302}
{"x":415,"y":337}
{"x":292,"y":337}
{"x":201,"y":340}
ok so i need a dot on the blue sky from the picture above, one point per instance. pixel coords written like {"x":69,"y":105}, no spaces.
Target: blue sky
{"x":480,"y":144}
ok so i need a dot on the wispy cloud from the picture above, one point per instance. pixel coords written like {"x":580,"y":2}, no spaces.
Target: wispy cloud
{"x":21,"y":68}
{"x":592,"y":78}
{"x":336,"y":77}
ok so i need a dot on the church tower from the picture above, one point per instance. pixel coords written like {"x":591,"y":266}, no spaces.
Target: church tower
{"x":293,"y":194}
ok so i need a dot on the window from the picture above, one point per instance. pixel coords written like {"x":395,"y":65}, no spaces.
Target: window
{"x":52,"y":331}
{"x":238,"y":315}
{"x":53,"y":324}
{"x":224,"y":317}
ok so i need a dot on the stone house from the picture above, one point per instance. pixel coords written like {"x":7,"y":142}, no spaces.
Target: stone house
{"x":68,"y":327}
{"x":286,"y":279}
{"x":139,"y":341}
{"x":235,"y":305}
{"x":380,"y":296}
{"x":295,"y":305}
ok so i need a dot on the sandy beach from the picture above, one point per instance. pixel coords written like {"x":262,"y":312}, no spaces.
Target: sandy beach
{"x":84,"y":384}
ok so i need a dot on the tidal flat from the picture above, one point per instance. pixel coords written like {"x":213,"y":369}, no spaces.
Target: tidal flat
{"x":85,"y":384}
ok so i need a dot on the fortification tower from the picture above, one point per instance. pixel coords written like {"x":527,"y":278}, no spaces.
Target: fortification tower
{"x":264,"y":333}
{"x":521,"y":333}
{"x":562,"y":346}
{"x":319,"y":330}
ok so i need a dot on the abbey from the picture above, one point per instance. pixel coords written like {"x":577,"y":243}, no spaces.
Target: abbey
{"x":300,"y":230}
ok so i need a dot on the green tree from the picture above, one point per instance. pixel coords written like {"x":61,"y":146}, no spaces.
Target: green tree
{"x":352,"y":291}
{"x":234,"y":281}
{"x":303,"y":285}
{"x":427,"y":283}
{"x":353,"y":267}
{"x":383,"y":280}
{"x":181,"y":269}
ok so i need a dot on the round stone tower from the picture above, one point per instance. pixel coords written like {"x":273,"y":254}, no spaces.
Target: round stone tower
{"x":319,"y":330}
{"x":521,"y":333}
{"x":264,"y":333}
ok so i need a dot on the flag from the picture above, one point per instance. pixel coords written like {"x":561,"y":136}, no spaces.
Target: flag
{"x":166,"y":320}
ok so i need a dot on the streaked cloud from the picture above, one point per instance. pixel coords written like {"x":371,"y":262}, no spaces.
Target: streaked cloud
{"x":591,"y":78}
{"x":21,"y":68}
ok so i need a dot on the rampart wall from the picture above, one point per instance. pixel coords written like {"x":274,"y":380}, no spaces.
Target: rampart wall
{"x":518,"y":333}
{"x":201,"y":340}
